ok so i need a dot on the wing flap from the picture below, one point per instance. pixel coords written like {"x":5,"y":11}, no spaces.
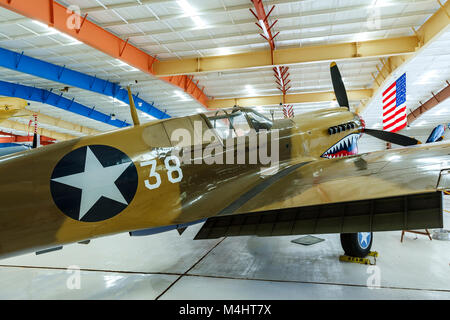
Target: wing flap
{"x":418,"y":211}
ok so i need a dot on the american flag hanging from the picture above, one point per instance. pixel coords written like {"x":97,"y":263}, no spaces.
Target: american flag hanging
{"x":394,"y":106}
{"x":288,"y":111}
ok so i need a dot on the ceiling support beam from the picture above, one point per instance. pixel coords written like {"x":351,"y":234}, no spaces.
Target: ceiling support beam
{"x":258,"y":59}
{"x":431,"y":103}
{"x":263,"y":22}
{"x":43,"y":118}
{"x":47,"y":97}
{"x":281,"y":73}
{"x":14,"y":125}
{"x":187,"y":84}
{"x":430,"y":30}
{"x":289,"y":99}
{"x":39,"y":68}
{"x":82,"y":29}
{"x":12,"y":138}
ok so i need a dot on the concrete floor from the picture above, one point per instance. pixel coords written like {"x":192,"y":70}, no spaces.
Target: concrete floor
{"x":169,"y":266}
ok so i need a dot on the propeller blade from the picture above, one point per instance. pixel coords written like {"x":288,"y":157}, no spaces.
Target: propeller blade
{"x":391,"y":137}
{"x":338,"y":85}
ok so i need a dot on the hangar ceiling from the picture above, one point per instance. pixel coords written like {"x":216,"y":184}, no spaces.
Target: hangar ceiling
{"x":189,"y":34}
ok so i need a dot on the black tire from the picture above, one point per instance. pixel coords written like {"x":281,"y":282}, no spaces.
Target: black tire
{"x":352,"y":245}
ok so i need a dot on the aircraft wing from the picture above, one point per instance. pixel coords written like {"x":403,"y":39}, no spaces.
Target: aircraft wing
{"x":380,"y":191}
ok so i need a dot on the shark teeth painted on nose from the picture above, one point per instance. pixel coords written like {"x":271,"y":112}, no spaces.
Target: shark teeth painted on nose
{"x":344,"y":148}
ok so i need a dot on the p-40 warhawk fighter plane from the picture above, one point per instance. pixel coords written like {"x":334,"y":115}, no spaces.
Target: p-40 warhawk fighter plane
{"x":133,"y":180}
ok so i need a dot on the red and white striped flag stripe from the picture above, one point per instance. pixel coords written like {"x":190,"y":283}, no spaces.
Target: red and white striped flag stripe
{"x":394,"y":106}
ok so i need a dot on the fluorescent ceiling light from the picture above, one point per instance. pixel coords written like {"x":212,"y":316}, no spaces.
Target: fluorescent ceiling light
{"x":191,"y":12}
{"x":250,"y":90}
{"x":224,"y":51}
{"x":199,"y":22}
{"x":114,"y":100}
{"x":183,"y":96}
{"x":42,"y":25}
{"x":74,"y":41}
{"x":54,"y":31}
{"x":381,"y":3}
{"x":363,"y":36}
{"x":120,"y":63}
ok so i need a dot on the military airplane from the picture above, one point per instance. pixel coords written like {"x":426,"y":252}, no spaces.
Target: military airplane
{"x":135,"y":180}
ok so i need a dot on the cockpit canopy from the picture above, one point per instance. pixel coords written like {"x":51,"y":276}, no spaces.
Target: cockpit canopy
{"x":236,"y":122}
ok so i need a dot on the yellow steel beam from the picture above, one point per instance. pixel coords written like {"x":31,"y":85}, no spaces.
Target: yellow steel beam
{"x":15,"y":107}
{"x":257,"y":59}
{"x":429,"y":31}
{"x":290,"y":99}
{"x":43,"y":132}
{"x":63,"y":124}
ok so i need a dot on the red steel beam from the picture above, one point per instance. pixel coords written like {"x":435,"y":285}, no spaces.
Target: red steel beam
{"x":431,"y":103}
{"x":262,"y":17}
{"x":281,"y":78}
{"x":62,"y":19}
{"x":3,"y":133}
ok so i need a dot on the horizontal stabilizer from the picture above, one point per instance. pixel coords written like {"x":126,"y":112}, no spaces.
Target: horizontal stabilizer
{"x":409,"y":212}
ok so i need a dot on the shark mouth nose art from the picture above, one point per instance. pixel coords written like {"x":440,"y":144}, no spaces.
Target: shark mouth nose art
{"x":348,"y":146}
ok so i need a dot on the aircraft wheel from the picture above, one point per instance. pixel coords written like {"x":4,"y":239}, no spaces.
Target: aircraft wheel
{"x":357,"y":244}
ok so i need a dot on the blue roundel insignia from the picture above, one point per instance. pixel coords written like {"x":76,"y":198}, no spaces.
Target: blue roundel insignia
{"x":94,"y":183}
{"x":364,"y":239}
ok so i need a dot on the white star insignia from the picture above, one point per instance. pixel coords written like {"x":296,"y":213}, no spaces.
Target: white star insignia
{"x":95,"y":182}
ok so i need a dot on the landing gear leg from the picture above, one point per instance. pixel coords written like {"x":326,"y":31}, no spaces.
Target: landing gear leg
{"x":357,"y":244}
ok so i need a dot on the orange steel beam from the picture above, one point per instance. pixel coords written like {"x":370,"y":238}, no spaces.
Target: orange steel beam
{"x":79,"y":27}
{"x":14,"y":138}
{"x":187,"y":84}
